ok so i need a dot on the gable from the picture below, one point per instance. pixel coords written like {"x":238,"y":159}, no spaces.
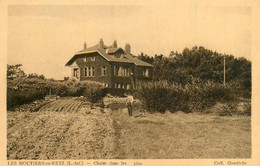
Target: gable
{"x":74,"y":64}
{"x":115,"y":50}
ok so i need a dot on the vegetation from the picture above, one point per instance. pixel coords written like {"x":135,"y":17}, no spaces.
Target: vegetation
{"x":160,"y":96}
{"x":25,"y":90}
{"x":204,"y":64}
{"x":19,"y":97}
{"x":22,"y":89}
{"x":193,"y":80}
{"x":188,"y":81}
{"x":179,"y":135}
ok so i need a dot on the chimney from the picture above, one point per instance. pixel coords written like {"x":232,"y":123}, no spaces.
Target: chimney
{"x":101,"y":44}
{"x":85,"y":45}
{"x":127,"y":49}
{"x":115,"y":44}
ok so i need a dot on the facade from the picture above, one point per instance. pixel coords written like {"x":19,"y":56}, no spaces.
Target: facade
{"x":113,"y":66}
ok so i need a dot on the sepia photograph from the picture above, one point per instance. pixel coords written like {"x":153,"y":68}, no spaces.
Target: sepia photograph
{"x":143,"y":80}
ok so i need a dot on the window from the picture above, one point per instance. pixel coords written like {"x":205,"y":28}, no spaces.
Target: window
{"x":86,"y":72}
{"x":120,"y":71}
{"x":115,"y":85}
{"x":90,"y":72}
{"x":145,"y":72}
{"x":93,"y":71}
{"x":130,"y":72}
{"x":119,"y":86}
{"x":124,"y":72}
{"x":127,"y":72}
{"x":76,"y":72}
{"x":123,"y":86}
{"x":93,"y":58}
{"x":115,"y":70}
{"x":128,"y":86}
{"x":104,"y":70}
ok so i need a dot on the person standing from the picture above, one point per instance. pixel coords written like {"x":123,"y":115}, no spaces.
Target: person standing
{"x":129,"y":104}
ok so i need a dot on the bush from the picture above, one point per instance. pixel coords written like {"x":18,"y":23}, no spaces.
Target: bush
{"x":93,"y":91}
{"x":117,"y":92}
{"x":155,"y":95}
{"x":160,"y":96}
{"x":25,"y":90}
{"x":19,"y":97}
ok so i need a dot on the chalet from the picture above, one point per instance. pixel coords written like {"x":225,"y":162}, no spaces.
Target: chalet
{"x":111,"y":65}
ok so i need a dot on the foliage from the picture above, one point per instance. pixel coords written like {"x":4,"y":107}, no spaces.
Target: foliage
{"x":159,"y":96}
{"x":14,"y":71}
{"x":94,"y":92}
{"x":146,"y":58}
{"x":204,"y":64}
{"x":19,"y":97}
{"x":22,"y":90}
{"x":34,"y":75}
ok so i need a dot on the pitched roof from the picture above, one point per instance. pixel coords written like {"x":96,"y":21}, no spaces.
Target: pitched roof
{"x":137,"y":61}
{"x":112,"y":50}
{"x":95,"y":47}
{"x":124,"y":59}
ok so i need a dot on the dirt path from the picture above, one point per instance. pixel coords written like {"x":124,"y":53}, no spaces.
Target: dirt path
{"x":56,"y":132}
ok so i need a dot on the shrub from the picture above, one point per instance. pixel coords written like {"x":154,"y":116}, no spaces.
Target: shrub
{"x":93,"y":91}
{"x":117,"y":92}
{"x":19,"y":97}
{"x":25,"y":90}
{"x":155,"y":95}
{"x":160,"y":96}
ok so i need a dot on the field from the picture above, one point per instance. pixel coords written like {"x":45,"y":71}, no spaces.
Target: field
{"x":69,"y":129}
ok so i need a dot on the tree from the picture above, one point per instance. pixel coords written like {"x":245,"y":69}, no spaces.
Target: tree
{"x":201,"y":63}
{"x":34,"y":75}
{"x":14,"y":71}
{"x":146,"y":58}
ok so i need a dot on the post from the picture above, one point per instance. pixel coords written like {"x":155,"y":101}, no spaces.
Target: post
{"x":224,"y":70}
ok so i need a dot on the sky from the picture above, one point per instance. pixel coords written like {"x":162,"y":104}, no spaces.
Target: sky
{"x":44,"y":37}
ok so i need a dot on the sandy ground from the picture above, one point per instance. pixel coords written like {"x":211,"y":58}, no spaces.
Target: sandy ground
{"x":69,"y":129}
{"x":74,"y":134}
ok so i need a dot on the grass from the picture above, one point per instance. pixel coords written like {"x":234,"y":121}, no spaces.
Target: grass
{"x":179,"y":135}
{"x":86,"y":133}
